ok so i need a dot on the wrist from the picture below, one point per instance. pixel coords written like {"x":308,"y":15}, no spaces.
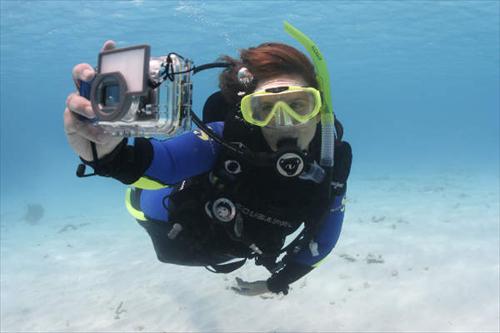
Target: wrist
{"x":280,"y":281}
{"x":277,"y":285}
{"x":103,"y":165}
{"x":125,"y":163}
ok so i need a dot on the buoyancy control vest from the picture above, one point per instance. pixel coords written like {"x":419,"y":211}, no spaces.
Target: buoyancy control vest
{"x":255,"y":206}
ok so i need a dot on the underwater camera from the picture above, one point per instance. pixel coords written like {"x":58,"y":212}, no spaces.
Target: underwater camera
{"x":129,"y":98}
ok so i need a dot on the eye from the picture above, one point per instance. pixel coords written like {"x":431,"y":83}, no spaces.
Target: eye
{"x":298,"y":105}
{"x":266,"y":107}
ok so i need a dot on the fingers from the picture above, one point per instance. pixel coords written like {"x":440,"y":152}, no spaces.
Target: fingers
{"x":85,"y":72}
{"x":85,"y":129}
{"x":108,"y":45}
{"x":82,"y":72}
{"x":241,"y":291}
{"x":242,"y":288}
{"x":250,"y":288}
{"x":241,"y":283}
{"x":79,"y":109}
{"x":80,"y":105}
{"x":238,"y":290}
{"x":69,"y":126}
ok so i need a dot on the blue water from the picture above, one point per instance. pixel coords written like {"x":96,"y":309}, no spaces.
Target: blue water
{"x":415,"y":83}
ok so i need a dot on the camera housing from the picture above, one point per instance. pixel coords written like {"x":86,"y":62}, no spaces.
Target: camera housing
{"x":131,"y":96}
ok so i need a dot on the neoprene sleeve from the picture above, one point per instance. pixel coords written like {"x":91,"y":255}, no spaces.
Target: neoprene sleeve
{"x":280,"y":281}
{"x":306,"y":259}
{"x":125,"y":163}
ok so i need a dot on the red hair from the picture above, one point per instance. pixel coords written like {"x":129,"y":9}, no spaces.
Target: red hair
{"x":265,"y":61}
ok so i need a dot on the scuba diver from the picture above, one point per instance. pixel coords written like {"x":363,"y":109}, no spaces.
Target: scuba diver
{"x":267,"y":161}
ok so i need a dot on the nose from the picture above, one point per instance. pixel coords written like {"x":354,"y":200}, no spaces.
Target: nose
{"x":282,"y":118}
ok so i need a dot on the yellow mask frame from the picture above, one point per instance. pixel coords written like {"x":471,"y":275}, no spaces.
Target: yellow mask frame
{"x":248,"y":111}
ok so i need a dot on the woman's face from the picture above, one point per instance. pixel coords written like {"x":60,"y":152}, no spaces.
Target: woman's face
{"x":304,"y":133}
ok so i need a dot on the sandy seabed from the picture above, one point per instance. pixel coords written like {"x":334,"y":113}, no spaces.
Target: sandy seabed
{"x":417,"y":253}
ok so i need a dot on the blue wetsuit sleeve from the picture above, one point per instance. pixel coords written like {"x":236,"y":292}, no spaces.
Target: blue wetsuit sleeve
{"x":184,"y":156}
{"x":312,"y":254}
{"x":152,"y":164}
{"x":326,"y":237}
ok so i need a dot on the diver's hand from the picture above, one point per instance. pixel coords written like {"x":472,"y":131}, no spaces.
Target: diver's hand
{"x":250,"y":288}
{"x":79,"y":130}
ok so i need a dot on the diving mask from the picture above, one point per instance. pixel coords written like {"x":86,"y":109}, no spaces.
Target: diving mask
{"x":281,"y":106}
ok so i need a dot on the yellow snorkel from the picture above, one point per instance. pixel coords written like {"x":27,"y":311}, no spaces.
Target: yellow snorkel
{"x":327,"y":115}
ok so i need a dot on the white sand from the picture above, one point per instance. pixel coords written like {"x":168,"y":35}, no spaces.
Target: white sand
{"x":417,"y":253}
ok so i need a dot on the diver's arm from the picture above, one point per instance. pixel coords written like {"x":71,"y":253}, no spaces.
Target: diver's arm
{"x":311,"y":255}
{"x":322,"y":243}
{"x":161,"y":162}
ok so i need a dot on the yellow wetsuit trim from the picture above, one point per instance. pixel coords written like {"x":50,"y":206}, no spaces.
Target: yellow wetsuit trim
{"x":319,"y":262}
{"x":148,"y":184}
{"x":202,"y":135}
{"x":137,"y":214}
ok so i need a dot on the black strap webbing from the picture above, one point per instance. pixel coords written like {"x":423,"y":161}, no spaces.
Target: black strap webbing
{"x":225,"y":268}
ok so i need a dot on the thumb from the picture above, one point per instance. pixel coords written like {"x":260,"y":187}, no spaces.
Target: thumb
{"x":108,"y":45}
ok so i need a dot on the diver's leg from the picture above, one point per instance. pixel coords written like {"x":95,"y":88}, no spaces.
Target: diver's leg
{"x":185,"y":248}
{"x":172,"y":251}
